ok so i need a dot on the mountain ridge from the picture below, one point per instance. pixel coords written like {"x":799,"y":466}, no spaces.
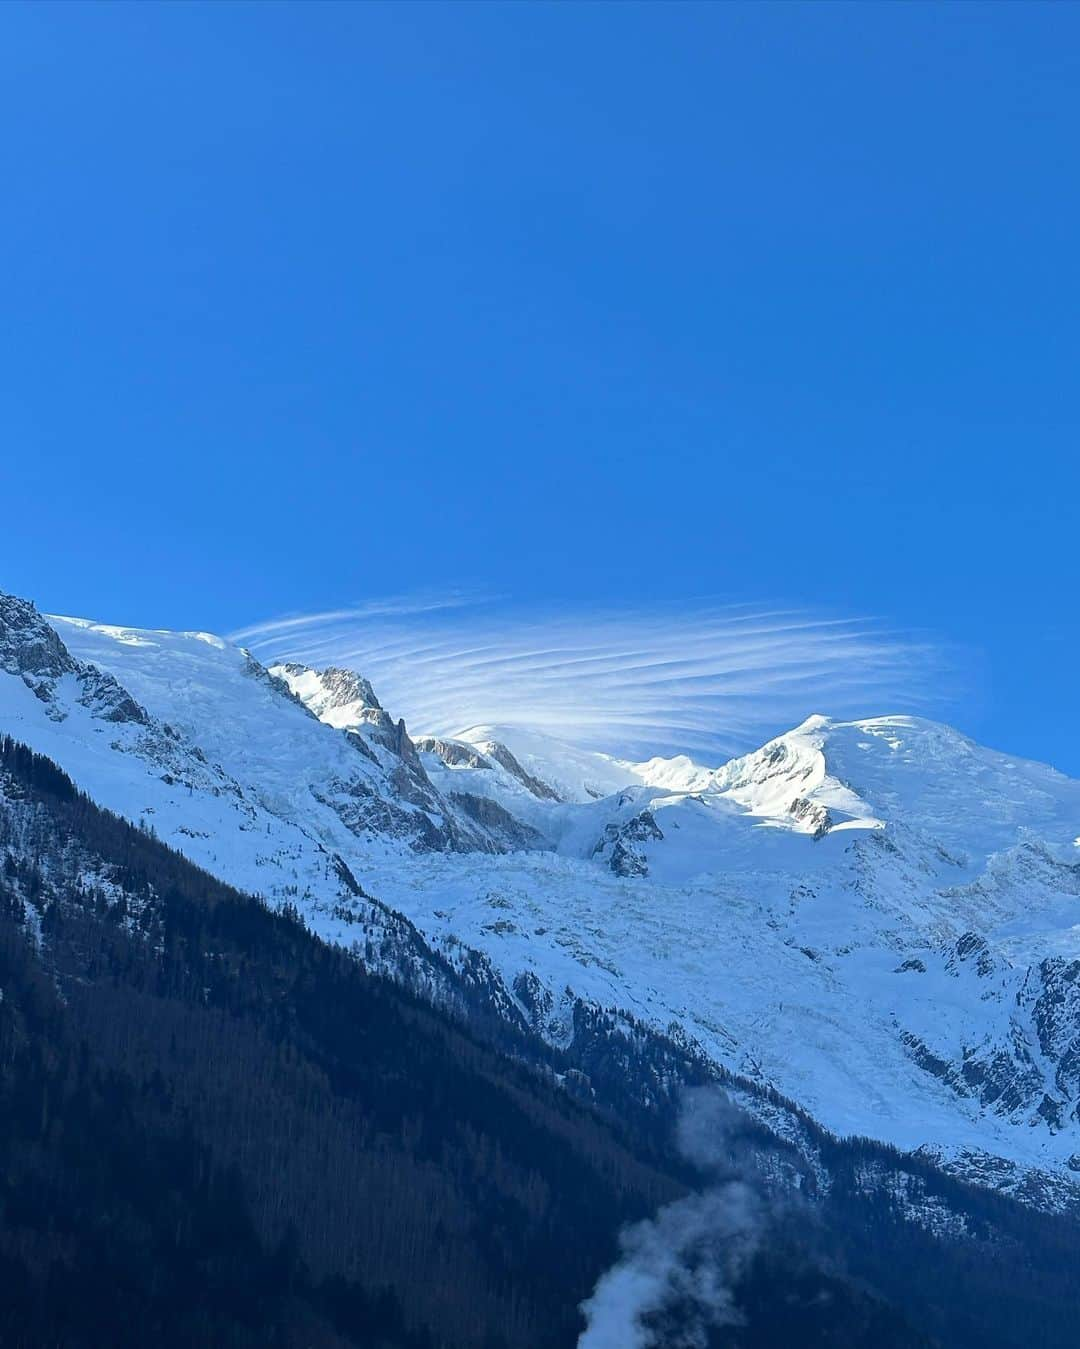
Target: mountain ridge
{"x":892,"y":957}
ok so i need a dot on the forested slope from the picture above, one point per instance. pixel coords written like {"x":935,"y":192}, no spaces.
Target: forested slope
{"x":217,"y":1130}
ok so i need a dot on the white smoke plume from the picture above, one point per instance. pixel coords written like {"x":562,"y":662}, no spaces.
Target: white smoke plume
{"x":677,"y":1273}
{"x":681,"y":1267}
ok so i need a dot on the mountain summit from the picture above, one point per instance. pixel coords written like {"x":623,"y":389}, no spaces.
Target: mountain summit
{"x":877,"y":919}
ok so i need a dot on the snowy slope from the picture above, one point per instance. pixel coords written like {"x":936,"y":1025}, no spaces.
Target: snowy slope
{"x":222,"y":763}
{"x":880,"y":918}
{"x":866,"y":915}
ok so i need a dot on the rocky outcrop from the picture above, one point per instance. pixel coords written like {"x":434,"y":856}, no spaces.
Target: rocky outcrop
{"x":364,"y":811}
{"x":972,"y":950}
{"x":335,"y":687}
{"x":396,"y":796}
{"x":498,"y":822}
{"x":505,"y":759}
{"x":621,"y":844}
{"x":106,"y":698}
{"x":346,"y":686}
{"x":1030,"y":1070}
{"x":813,"y":815}
{"x":1056,"y":1016}
{"x":32,"y":649}
{"x":453,"y":753}
{"x":28,"y":645}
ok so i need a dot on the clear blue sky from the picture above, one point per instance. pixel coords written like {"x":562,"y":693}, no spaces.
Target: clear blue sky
{"x":587,"y":304}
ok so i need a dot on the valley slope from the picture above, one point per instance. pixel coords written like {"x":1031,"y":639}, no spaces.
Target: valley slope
{"x":879,"y":919}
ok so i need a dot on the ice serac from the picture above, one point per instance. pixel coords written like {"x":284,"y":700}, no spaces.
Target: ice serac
{"x":880,"y":919}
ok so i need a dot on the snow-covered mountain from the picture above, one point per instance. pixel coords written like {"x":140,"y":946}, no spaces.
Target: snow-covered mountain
{"x":879,"y":918}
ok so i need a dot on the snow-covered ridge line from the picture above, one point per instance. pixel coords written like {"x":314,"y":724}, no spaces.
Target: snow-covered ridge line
{"x":879,"y":917}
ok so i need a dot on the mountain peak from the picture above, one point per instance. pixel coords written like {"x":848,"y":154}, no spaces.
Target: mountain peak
{"x":29,"y":645}
{"x":336,"y":695}
{"x":832,"y":874}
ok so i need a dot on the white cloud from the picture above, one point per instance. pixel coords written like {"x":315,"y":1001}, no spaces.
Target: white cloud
{"x":704,"y":678}
{"x":400,"y":606}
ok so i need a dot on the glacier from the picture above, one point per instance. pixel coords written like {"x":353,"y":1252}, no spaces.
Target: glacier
{"x":878,"y":918}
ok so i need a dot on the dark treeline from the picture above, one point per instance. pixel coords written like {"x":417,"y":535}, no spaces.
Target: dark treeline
{"x":216,"y":1130}
{"x":193,"y":1045}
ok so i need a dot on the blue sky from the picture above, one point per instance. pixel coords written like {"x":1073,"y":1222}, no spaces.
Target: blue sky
{"x":593,"y":308}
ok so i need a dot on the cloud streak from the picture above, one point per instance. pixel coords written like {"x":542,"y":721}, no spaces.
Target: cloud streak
{"x":706,"y":679}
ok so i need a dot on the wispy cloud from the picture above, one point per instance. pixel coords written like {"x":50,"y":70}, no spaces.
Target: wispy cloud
{"x":391,"y":607}
{"x":705,"y":678}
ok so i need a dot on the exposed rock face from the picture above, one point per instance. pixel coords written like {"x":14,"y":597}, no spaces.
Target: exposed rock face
{"x":346,"y":686}
{"x":256,"y":670}
{"x":380,"y":725}
{"x":31,"y":648}
{"x":365,"y":811}
{"x":325,"y":692}
{"x":28,"y":645}
{"x":453,"y":753}
{"x":930,"y":886}
{"x":538,"y":1001}
{"x":621,"y":844}
{"x":402,"y":746}
{"x":358,"y":743}
{"x":103,"y":696}
{"x":401,"y":801}
{"x":505,"y":759}
{"x":1056,"y":1014}
{"x":972,"y":948}
{"x":1030,"y":1070}
{"x":498,"y":821}
{"x":812,"y":814}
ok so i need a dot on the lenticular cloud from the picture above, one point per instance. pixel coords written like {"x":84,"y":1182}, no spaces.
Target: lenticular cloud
{"x":707,"y":680}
